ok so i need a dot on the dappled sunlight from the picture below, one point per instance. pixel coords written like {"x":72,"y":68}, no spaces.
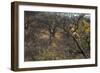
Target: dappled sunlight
{"x":56,"y":36}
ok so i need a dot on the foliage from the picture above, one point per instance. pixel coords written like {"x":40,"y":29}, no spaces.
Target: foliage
{"x":56,"y":36}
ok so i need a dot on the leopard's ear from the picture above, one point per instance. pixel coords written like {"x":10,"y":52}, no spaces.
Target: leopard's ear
{"x":72,"y":29}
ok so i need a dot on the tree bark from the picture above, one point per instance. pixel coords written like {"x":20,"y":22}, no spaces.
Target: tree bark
{"x":85,"y":56}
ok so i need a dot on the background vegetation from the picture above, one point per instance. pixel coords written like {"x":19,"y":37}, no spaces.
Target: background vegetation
{"x":56,"y":35}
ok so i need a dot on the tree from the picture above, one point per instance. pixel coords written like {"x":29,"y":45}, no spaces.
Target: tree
{"x":72,"y":31}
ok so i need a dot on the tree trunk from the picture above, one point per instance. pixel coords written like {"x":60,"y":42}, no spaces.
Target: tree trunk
{"x":85,"y":56}
{"x":52,"y":35}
